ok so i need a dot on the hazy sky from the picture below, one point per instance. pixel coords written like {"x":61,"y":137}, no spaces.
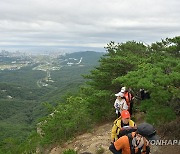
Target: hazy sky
{"x":73,"y":25}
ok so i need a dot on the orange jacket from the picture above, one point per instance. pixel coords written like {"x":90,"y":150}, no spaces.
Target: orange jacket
{"x":128,"y":98}
{"x":123,"y":143}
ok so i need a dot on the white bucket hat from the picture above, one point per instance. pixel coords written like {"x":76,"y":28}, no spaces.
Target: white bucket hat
{"x":123,"y":89}
{"x":119,"y":94}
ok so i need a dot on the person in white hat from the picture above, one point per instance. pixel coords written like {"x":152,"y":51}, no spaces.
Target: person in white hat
{"x":120,"y":103}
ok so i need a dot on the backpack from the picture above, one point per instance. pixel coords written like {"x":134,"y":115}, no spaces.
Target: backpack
{"x":125,"y":131}
{"x":132,"y":149}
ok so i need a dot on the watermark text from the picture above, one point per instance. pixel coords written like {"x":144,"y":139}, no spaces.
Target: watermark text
{"x":165,"y":142}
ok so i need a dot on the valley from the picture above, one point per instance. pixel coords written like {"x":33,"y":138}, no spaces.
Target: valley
{"x":28,"y":82}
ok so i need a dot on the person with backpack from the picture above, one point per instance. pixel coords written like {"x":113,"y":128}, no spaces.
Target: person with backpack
{"x":120,"y":103}
{"x":129,"y":99}
{"x":122,"y":125}
{"x":135,"y":142}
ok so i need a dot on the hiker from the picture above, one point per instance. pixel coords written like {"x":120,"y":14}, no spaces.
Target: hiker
{"x":129,"y":99}
{"x":135,"y":142}
{"x":120,"y":103}
{"x":144,"y":94}
{"x":122,"y":125}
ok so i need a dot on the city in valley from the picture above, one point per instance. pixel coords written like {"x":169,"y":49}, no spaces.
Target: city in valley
{"x":42,"y":62}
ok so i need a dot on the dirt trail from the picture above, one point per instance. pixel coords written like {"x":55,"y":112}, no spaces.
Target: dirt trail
{"x":100,"y":138}
{"x":89,"y":142}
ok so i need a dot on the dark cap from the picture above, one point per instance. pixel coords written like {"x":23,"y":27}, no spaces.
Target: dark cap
{"x":147,"y":130}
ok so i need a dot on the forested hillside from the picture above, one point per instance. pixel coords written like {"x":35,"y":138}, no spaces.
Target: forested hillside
{"x":23,"y":101}
{"x":133,"y":64}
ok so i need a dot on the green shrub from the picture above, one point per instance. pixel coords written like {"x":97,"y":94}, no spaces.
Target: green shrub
{"x":70,"y":151}
{"x":69,"y":119}
{"x":146,"y":105}
{"x":159,"y":115}
{"x":100,"y":150}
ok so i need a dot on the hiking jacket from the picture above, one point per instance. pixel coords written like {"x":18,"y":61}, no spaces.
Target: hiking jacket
{"x":128,"y":98}
{"x":116,"y":129}
{"x":123,"y":144}
{"x":118,"y":104}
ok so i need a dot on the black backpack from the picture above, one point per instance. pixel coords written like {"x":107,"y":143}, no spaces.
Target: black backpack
{"x":126,"y":131}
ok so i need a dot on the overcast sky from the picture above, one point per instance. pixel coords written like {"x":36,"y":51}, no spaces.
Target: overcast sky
{"x":76,"y":25}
